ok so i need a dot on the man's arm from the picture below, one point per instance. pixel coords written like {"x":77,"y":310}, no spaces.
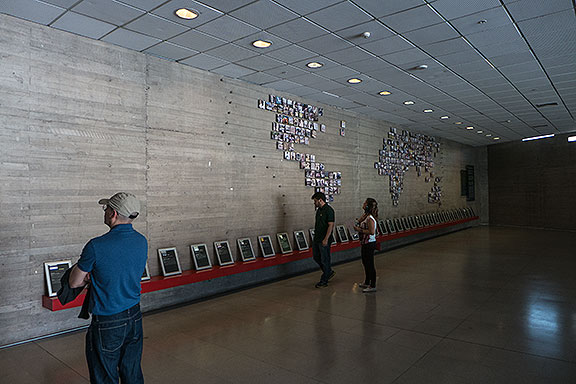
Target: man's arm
{"x":78,"y":278}
{"x":328,"y":233}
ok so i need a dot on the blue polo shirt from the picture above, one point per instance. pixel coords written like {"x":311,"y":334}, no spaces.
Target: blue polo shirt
{"x":116,"y":262}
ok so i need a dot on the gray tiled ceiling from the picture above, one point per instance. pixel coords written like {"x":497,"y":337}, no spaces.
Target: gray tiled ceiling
{"x":490,"y":62}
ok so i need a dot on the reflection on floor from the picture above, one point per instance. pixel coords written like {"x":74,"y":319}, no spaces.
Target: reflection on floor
{"x":484,"y":305}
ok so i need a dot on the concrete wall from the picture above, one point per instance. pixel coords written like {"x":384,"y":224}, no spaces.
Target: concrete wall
{"x":532,"y":184}
{"x":81,"y":120}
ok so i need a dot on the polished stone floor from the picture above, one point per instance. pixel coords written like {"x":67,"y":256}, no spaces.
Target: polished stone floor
{"x":484,"y":305}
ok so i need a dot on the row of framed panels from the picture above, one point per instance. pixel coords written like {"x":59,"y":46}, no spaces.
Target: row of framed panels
{"x":170,"y":262}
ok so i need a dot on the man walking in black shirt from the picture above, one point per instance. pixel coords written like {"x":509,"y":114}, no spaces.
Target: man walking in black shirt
{"x":323,"y":238}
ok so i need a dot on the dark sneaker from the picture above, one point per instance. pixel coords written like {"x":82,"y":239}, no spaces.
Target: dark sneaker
{"x":321,"y":284}
{"x":331,"y":275}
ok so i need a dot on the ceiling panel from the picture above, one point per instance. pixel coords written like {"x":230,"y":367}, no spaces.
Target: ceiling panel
{"x":130,"y":40}
{"x":227,"y":28}
{"x":204,"y":61}
{"x":355,"y":34}
{"x":326,"y":44}
{"x":156,"y":27}
{"x":260,"y":63}
{"x":453,"y":9}
{"x":306,"y":7}
{"x":109,"y":11}
{"x":145,"y":5}
{"x":432,"y":34}
{"x":384,"y":8}
{"x":412,"y":19}
{"x":259,"y":78}
{"x":83,"y":25}
{"x":339,"y":16}
{"x":231,"y":52}
{"x":298,"y":30}
{"x":264,"y":14}
{"x":170,"y":51}
{"x":197,"y":40}
{"x":225,"y":5}
{"x":233,"y":70}
{"x":31,"y":10}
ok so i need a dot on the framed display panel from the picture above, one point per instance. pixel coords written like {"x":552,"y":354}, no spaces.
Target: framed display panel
{"x":418,"y":221}
{"x":412,"y":222}
{"x":354,"y":235}
{"x":223,"y":252}
{"x":398,"y":225}
{"x":201,"y":256}
{"x":53,"y":271}
{"x":311,"y":231}
{"x":342,"y":235}
{"x":300,"y":239}
{"x":334,"y":242}
{"x":405,"y":222}
{"x":145,"y":274}
{"x":472,"y":213}
{"x":436,"y":219}
{"x":425,"y":220}
{"x":382,"y":227}
{"x":452,"y":215}
{"x":246,"y":250}
{"x":169,"y":261}
{"x":430,"y":218}
{"x":284,"y":242}
{"x":390,"y":226}
{"x":266,"y":246}
{"x":446,"y":216}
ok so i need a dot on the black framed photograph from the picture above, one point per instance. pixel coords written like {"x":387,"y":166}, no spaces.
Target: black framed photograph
{"x":246,"y":250}
{"x":342,"y":235}
{"x":398,"y":225}
{"x":169,"y":261}
{"x":223,"y":252}
{"x":355,"y":236}
{"x":382,"y":227}
{"x":301,"y":242}
{"x":201,"y":256}
{"x":413,"y":224}
{"x":145,"y":274}
{"x":284,"y":242}
{"x":390,"y":226}
{"x":418,"y":221}
{"x":53,"y":271}
{"x":266,"y":246}
{"x":405,"y":223}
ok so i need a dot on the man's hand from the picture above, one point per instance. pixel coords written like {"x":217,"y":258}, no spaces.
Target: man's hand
{"x":324,"y":242}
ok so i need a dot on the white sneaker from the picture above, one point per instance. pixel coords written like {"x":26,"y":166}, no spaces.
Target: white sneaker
{"x":362,"y":285}
{"x":369,"y":289}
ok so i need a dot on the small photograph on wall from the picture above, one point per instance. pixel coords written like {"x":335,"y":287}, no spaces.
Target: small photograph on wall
{"x":169,"y":261}
{"x":342,"y":235}
{"x":311,"y":231}
{"x":145,"y":274}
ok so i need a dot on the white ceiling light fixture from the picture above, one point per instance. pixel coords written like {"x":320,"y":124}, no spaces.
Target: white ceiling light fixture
{"x":186,"y":14}
{"x":354,"y":80}
{"x":314,"y":65}
{"x":458,"y":122}
{"x":444,"y":117}
{"x":479,"y":132}
{"x":496,"y":138}
{"x":428,"y":111}
{"x":488,"y":135}
{"x":384,"y":93}
{"x":469,"y":128}
{"x":571,"y":139}
{"x":537,"y":137}
{"x":261,"y":43}
{"x":408,"y":102}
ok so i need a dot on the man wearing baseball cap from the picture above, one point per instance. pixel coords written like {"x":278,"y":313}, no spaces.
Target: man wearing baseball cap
{"x":113,"y":264}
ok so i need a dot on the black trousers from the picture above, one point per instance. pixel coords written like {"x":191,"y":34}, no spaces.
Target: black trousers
{"x":367,"y":252}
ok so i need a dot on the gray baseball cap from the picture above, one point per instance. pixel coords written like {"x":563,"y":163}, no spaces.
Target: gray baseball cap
{"x":126,"y":204}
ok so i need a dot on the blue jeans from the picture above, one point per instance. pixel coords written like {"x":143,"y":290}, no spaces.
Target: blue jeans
{"x":114,"y":347}
{"x":321,"y":256}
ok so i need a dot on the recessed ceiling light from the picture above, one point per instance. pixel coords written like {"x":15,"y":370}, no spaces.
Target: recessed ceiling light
{"x":314,"y":64}
{"x":469,"y":128}
{"x":261,"y":44}
{"x":488,"y":135}
{"x":458,"y":122}
{"x":354,"y":80}
{"x":384,"y":93}
{"x":480,"y":132}
{"x":482,"y":21}
{"x":537,"y":137}
{"x":496,"y":138}
{"x":428,"y":110}
{"x":408,"y":102}
{"x":571,"y":139}
{"x":186,"y":14}
{"x":444,"y":117}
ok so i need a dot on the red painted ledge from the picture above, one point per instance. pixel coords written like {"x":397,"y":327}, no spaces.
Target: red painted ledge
{"x":157,"y":283}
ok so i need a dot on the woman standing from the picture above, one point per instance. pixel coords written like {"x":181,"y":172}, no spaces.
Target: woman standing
{"x":366,"y":228}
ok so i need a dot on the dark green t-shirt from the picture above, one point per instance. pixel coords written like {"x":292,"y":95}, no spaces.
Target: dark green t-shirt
{"x":324,"y":216}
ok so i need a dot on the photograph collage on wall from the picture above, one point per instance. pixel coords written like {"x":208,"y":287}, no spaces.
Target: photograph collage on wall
{"x":297,"y":123}
{"x":399,"y":152}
